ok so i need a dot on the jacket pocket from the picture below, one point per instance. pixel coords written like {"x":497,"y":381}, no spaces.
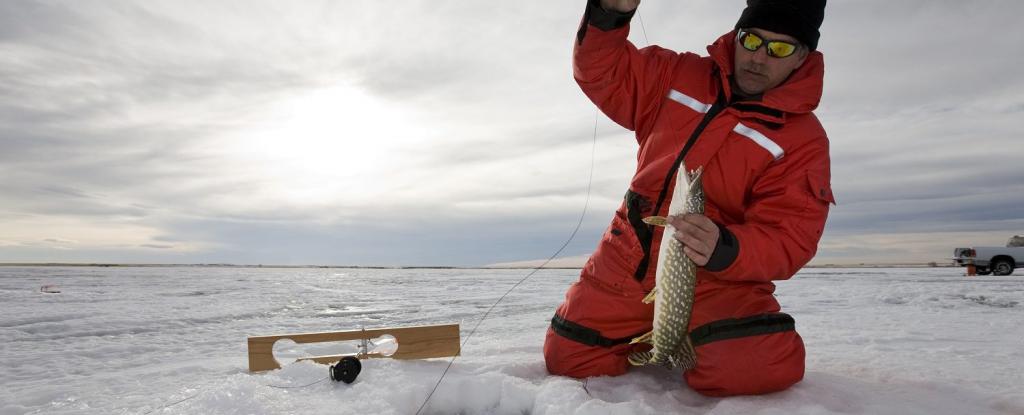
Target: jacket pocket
{"x":618,"y":254}
{"x":820,"y":188}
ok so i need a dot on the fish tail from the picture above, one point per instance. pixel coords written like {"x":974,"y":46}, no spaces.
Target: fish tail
{"x":687,"y":358}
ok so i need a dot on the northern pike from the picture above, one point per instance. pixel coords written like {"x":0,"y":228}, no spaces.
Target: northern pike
{"x":675,"y":284}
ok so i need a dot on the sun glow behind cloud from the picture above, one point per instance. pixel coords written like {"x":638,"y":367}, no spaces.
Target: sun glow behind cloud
{"x":327,"y":145}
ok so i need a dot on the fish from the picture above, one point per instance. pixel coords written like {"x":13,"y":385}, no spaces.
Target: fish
{"x":675,"y":284}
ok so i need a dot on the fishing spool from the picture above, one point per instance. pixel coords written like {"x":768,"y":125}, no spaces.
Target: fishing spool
{"x":346,"y":370}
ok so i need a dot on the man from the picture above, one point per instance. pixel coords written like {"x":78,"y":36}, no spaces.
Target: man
{"x":744,"y":113}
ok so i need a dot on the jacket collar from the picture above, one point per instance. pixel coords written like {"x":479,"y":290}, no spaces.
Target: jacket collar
{"x":800,"y":94}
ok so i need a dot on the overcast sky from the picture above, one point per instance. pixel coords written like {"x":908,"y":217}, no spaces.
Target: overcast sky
{"x":401,"y":132}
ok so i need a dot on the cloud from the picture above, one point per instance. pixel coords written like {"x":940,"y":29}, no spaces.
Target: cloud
{"x":416,"y":132}
{"x":903,"y":247}
{"x":156,"y":246}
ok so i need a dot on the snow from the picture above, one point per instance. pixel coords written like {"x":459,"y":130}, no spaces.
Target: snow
{"x":140,"y":340}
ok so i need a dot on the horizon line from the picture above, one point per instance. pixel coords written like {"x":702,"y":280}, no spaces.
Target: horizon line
{"x":929,"y":264}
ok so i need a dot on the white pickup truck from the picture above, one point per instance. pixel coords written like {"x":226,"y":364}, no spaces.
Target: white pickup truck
{"x":995,"y":260}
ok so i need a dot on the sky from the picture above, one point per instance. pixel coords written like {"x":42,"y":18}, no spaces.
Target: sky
{"x":452,"y":133}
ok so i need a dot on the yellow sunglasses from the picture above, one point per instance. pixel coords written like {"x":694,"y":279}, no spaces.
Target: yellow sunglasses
{"x":776,"y":48}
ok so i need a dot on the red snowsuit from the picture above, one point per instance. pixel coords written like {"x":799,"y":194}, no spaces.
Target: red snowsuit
{"x":766,"y":180}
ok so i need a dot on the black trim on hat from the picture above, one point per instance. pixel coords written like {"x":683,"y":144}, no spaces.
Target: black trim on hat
{"x":798,"y":18}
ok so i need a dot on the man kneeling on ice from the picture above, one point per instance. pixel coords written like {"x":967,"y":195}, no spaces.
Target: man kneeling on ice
{"x":743,"y":115}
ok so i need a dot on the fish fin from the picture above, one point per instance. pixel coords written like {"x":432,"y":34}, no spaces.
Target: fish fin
{"x":644,"y":338}
{"x":694,"y":177}
{"x":695,"y":174}
{"x":640,"y":358}
{"x":656,"y":220}
{"x":649,"y":298}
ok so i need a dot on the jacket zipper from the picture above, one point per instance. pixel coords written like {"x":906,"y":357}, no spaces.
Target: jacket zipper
{"x":634,"y":214}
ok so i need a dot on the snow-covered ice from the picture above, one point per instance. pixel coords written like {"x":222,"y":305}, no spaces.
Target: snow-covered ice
{"x":135,"y":340}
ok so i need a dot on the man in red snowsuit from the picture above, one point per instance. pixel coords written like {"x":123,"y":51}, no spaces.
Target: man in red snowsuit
{"x":744,"y":113}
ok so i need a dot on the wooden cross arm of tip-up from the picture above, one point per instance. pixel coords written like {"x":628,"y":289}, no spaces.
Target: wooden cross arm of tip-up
{"x":417,"y":342}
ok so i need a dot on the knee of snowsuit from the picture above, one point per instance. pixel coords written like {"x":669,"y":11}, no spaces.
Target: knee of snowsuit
{"x":744,"y":344}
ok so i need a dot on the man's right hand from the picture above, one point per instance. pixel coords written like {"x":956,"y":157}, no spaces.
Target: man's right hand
{"x":622,"y":6}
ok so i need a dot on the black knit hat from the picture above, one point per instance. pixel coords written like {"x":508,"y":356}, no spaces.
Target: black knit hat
{"x":798,"y":18}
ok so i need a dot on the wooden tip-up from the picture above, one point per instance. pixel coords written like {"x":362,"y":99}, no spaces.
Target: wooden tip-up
{"x":419,"y":342}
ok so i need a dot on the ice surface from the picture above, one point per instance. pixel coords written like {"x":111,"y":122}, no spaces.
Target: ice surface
{"x":134,"y":340}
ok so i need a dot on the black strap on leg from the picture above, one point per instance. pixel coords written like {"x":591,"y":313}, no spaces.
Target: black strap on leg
{"x":734,"y":328}
{"x":585,"y":335}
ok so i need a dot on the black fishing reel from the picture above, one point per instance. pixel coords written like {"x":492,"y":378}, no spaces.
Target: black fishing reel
{"x":346,"y":369}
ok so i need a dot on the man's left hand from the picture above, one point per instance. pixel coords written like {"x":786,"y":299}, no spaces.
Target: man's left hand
{"x":698,"y":234}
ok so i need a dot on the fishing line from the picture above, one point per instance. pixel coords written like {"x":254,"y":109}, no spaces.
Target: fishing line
{"x":269,"y":386}
{"x":583,"y":214}
{"x":579,"y":223}
{"x":297,"y":387}
{"x":168,"y":406}
{"x":586,"y":204}
{"x":642,"y":27}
